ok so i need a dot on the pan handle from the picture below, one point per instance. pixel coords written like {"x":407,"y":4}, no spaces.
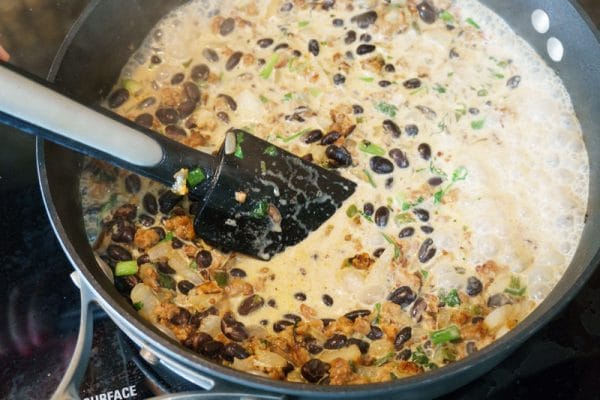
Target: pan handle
{"x":68,"y":389}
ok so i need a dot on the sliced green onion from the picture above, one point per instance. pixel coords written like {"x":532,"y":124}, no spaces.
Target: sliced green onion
{"x":271,"y":151}
{"x":424,"y":274}
{"x":459,"y":174}
{"x":445,"y":335}
{"x":267,"y":70}
{"x":377,"y":318}
{"x":260,"y":210}
{"x":263,"y":99}
{"x":446,"y":17}
{"x":472,"y":22}
{"x":515,"y":288}
{"x":222,"y":278}
{"x":386,"y":108}
{"x":138,"y":305}
{"x":166,"y":281}
{"x":384,"y":359}
{"x":371,"y":148}
{"x":132,"y":86}
{"x":194,"y":265}
{"x":288,"y":96}
{"x":239,"y":153}
{"x":303,"y":24}
{"x":126,"y":268}
{"x":370,"y":178}
{"x":451,"y":299}
{"x":352,"y":211}
{"x":478,"y":124}
{"x":367,"y":79}
{"x":294,"y":136}
{"x":404,"y":218}
{"x":195,"y":177}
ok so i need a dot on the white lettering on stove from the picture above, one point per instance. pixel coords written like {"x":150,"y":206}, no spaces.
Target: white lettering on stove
{"x":119,"y":394}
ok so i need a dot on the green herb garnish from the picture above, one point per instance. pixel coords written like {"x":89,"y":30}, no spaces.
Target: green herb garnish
{"x":138,"y":305}
{"x":166,"y":281}
{"x":451,"y":299}
{"x":437,"y":171}
{"x":445,"y":335}
{"x":385,"y":108}
{"x":263,"y":99}
{"x":221,"y":277}
{"x":194,"y":265}
{"x":482,"y":93}
{"x":369,"y":178}
{"x":418,"y":356}
{"x":439,"y":88}
{"x":303,"y":24}
{"x":294,"y":136}
{"x":371,"y":148}
{"x":271,"y":151}
{"x":195,"y":177}
{"x":126,"y":268}
{"x":515,"y":287}
{"x":459,"y":174}
{"x":385,"y":359}
{"x":367,"y":79}
{"x":477,"y":124}
{"x":446,"y":17}
{"x":352,"y":211}
{"x":404,"y":218}
{"x":397,"y":248}
{"x":239,"y":153}
{"x":424,"y":274}
{"x":266,"y":71}
{"x":260,"y":209}
{"x":377,"y":313}
{"x":472,"y":22}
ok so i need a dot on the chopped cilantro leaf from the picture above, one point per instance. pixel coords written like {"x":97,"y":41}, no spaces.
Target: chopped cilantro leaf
{"x":239,"y":153}
{"x":472,"y":22}
{"x":260,"y":209}
{"x":451,"y":299}
{"x":195,"y":177}
{"x":266,"y":71}
{"x":385,"y":108}
{"x":371,"y":148}
{"x":271,"y":151}
{"x":138,"y":305}
{"x":477,"y":124}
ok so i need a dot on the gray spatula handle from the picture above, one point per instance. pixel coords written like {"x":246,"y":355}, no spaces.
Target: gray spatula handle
{"x":32,"y":106}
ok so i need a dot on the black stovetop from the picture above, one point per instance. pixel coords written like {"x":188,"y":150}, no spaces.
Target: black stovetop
{"x":39,"y":316}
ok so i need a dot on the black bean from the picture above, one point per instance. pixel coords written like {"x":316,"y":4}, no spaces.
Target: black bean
{"x":160,"y":231}
{"x":210,"y":55}
{"x":314,"y":370}
{"x":402,"y":337}
{"x":118,"y":253}
{"x":365,"y":19}
{"x":126,"y":211}
{"x":339,"y":79}
{"x":227,"y":26}
{"x":357,"y":109}
{"x":384,"y":83}
{"x":144,"y":120}
{"x":143,"y":259}
{"x":350,"y":37}
{"x":313,"y":136}
{"x":427,"y":112}
{"x":211,"y":348}
{"x":335,"y":342}
{"x":327,"y":321}
{"x":391,"y":128}
{"x":313,"y":347}
{"x":168,"y":200}
{"x":365,"y":49}
{"x":389,"y":68}
{"x":406,"y":232}
{"x":327,"y":300}
{"x":286,"y":7}
{"x":427,"y":229}
{"x":330,"y":138}
{"x":425,"y":151}
{"x":498,"y":300}
{"x":124,"y":284}
{"x":382,"y":215}
{"x":293,"y":317}
{"x":389,"y":182}
{"x":453,"y":54}
{"x":337,"y":22}
{"x":514,"y":82}
{"x":272,"y":303}
{"x":133,"y":183}
{"x":378,"y":252}
{"x":375,"y":333}
{"x":381,"y":165}
{"x":473,"y":111}
{"x":250,"y":304}
{"x":147,"y":102}
{"x":177,"y":78}
{"x":474,"y":286}
{"x":349,"y":55}
{"x":149,"y":203}
{"x":155,"y":59}
{"x":427,"y":12}
{"x":118,"y":97}
{"x":233,"y":60}
{"x":421,"y":214}
{"x":352,"y":315}
{"x":264,"y":43}
{"x":339,"y":155}
{"x":369,"y":209}
{"x":399,"y":158}
{"x":233,"y":350}
{"x":427,"y":250}
{"x":411,"y":130}
{"x":200,"y":72}
{"x":264,"y":322}
{"x":418,"y":308}
{"x":435,"y":181}
{"x":403,"y":296}
{"x":237,"y":272}
{"x":313,"y":47}
{"x":204,"y":258}
{"x":223,"y":116}
{"x":123,"y":231}
{"x":281,"y":46}
{"x":233,"y":329}
{"x":471,"y":348}
{"x":280,"y":325}
{"x":365,"y":37}
{"x":176,"y":243}
{"x":362,"y":345}
{"x":185,"y":286}
{"x":185,"y":109}
{"x":307,"y":157}
{"x":181,"y":318}
{"x":195,"y":340}
{"x":175,"y":131}
{"x":300,"y":296}
{"x":229,"y":100}
{"x":404,"y":355}
{"x":327,"y":4}
{"x":413,"y":83}
{"x":167,"y":116}
{"x":191,"y":92}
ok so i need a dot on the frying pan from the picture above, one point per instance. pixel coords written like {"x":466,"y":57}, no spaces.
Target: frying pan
{"x":89,"y":62}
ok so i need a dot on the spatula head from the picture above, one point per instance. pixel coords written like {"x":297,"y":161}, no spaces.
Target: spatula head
{"x":263,"y":199}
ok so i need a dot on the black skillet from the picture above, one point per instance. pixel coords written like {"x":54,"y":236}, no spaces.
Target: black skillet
{"x":101,"y":43}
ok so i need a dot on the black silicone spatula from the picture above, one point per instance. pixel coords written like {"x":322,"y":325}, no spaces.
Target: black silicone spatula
{"x":255,"y":198}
